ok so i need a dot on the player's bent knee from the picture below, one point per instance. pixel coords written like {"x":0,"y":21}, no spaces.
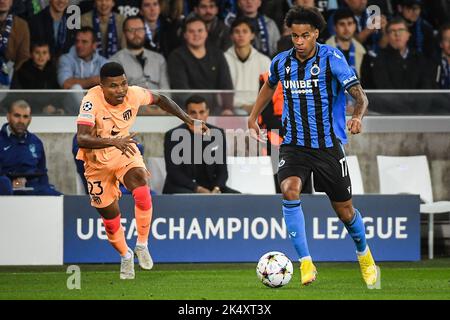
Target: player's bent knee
{"x":291,"y":189}
{"x":142,"y":197}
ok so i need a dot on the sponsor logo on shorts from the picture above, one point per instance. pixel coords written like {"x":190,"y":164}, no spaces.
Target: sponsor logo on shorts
{"x":87,"y":106}
{"x":282,"y":162}
{"x":127,"y":115}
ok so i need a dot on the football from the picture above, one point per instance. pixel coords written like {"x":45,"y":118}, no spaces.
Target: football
{"x":274,"y":269}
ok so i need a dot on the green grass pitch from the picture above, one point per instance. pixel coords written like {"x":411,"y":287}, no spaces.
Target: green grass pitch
{"x":405,"y":280}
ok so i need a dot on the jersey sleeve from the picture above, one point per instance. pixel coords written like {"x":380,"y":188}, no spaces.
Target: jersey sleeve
{"x":143,"y":96}
{"x":342,"y":71}
{"x":87,"y":111}
{"x":274,"y":78}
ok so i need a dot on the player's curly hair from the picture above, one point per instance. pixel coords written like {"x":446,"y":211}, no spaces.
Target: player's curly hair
{"x":302,"y":15}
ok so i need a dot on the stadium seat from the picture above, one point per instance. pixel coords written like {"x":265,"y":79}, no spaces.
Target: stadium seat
{"x":157,"y":167}
{"x":355,"y":176}
{"x":251,"y":175}
{"x":411,"y":175}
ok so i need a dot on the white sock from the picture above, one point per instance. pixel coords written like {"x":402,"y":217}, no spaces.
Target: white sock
{"x":141,"y":244}
{"x":128,"y":255}
{"x":305,"y":258}
{"x":362,"y":253}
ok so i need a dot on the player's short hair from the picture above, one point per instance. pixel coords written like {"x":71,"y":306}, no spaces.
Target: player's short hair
{"x":192,"y":19}
{"x":302,"y":15}
{"x":135,"y":17}
{"x":18,"y":103}
{"x":396,"y":20}
{"x":195,"y":99}
{"x":111,"y":69}
{"x":342,"y":14}
{"x":445,"y":27}
{"x":242,"y":20}
{"x":87,"y":29}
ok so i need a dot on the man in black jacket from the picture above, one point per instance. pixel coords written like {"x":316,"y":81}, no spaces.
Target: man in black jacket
{"x":400,"y":67}
{"x":192,"y":167}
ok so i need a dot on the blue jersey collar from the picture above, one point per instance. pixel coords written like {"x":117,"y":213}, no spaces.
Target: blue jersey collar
{"x":294,"y":56}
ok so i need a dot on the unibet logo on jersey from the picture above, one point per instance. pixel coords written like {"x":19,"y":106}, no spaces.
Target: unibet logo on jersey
{"x":301,"y":86}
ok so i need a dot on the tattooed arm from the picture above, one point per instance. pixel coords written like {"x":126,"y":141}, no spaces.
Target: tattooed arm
{"x":354,"y":125}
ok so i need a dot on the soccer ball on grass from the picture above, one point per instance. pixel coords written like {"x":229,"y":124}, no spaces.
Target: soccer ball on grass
{"x":274,"y":269}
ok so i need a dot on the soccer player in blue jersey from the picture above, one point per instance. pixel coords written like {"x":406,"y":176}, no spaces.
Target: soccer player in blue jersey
{"x":314,"y":78}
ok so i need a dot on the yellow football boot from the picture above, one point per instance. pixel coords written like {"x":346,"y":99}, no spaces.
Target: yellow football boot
{"x":308,"y":272}
{"x":369,"y":270}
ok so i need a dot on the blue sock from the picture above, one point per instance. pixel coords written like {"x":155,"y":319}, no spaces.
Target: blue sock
{"x":357,"y":231}
{"x":295,"y":223}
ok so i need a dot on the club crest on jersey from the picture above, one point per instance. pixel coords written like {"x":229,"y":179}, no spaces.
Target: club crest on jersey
{"x":87,"y":106}
{"x":127,"y":115}
{"x":315,"y":70}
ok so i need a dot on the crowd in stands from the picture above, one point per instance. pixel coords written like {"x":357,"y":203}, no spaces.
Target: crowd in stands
{"x":211,"y":45}
{"x":194,"y":44}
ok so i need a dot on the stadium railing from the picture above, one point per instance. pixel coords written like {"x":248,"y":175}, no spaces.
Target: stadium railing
{"x":381,"y":102}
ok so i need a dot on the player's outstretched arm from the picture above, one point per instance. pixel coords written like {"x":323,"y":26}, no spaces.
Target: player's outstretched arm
{"x":87,"y":140}
{"x":264,"y":96}
{"x":171,"y":107}
{"x":354,"y":125}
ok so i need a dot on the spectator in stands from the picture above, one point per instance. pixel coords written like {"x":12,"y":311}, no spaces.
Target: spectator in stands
{"x":372,"y":38}
{"x":209,"y":176}
{"x":246,"y":65}
{"x":422,"y":37}
{"x":144,"y":68}
{"x":201,"y":67}
{"x":22,"y":156}
{"x":443,"y":71}
{"x":14,"y":44}
{"x":345,"y":26}
{"x":399,"y":67}
{"x":80,"y":68}
{"x":107,"y":27}
{"x":50,"y":25}
{"x":267,"y":33}
{"x":160,"y":33}
{"x":218,"y":32}
{"x":38,"y":72}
